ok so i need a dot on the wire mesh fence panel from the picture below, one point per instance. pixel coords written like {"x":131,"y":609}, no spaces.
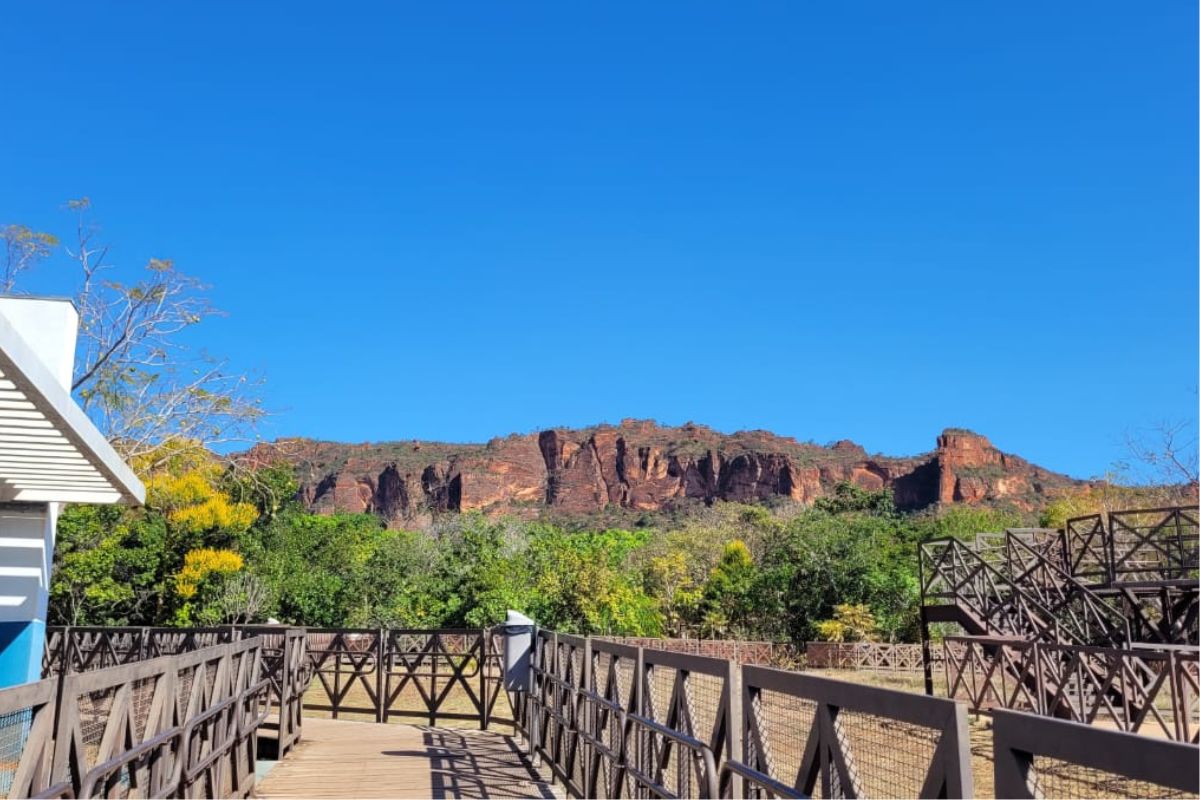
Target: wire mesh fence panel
{"x":691,"y":696}
{"x":839,"y":739}
{"x":1042,"y":757}
{"x":778,"y":725}
{"x":610,"y":696}
{"x":882,"y":768}
{"x":1063,"y":779}
{"x":684,"y":723}
{"x":184,"y":724}
{"x":27,"y":738}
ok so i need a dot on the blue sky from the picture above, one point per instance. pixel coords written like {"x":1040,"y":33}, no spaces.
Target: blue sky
{"x":451,"y":221}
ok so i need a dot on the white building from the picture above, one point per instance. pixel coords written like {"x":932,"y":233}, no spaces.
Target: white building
{"x":50,"y":454}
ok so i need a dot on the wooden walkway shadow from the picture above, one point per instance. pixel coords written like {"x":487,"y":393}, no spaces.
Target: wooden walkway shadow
{"x":365,"y":759}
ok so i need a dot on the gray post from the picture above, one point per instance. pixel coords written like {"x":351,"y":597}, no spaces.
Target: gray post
{"x":519,"y":631}
{"x":518,"y":647}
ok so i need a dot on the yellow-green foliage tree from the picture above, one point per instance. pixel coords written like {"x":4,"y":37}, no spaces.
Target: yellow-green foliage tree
{"x":1107,"y":497}
{"x":198,"y":583}
{"x":852,"y":622}
{"x":119,"y":566}
{"x":185,"y":487}
{"x":669,"y":578}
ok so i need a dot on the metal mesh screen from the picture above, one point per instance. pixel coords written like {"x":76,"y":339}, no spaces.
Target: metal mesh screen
{"x":14,"y":733}
{"x":94,"y":709}
{"x":784,"y":722}
{"x":891,"y":758}
{"x":1060,"y":779}
{"x":141,"y":699}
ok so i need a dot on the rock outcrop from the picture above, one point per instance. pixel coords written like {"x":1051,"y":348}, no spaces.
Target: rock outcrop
{"x":644,"y":466}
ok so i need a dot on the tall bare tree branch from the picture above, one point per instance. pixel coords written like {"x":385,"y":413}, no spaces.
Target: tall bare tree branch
{"x":136,"y":378}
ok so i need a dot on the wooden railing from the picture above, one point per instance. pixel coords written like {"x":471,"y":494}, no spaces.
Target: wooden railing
{"x":1037,"y":757}
{"x":1115,"y":579}
{"x":1151,"y":690}
{"x":284,"y":664}
{"x":804,"y":733}
{"x":82,"y":648}
{"x":607,"y":719}
{"x":866,"y":656}
{"x":430,"y":675}
{"x":771,"y":654}
{"x":1040,"y":602}
{"x":1138,"y":546}
{"x":171,"y":726}
{"x":613,"y":720}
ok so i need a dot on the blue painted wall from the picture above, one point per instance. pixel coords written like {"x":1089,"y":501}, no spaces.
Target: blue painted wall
{"x":21,"y":645}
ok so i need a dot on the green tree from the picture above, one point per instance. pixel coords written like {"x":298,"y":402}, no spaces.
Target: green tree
{"x":728,"y":599}
{"x":668,"y":578}
{"x":963,"y":522}
{"x":848,"y":498}
{"x":314,"y":566}
{"x":583,"y":582}
{"x":822,"y":560}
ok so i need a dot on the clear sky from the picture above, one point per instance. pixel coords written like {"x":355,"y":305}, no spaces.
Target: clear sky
{"x":452,"y":221}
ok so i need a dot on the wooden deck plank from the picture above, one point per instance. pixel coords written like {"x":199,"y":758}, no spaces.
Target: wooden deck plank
{"x":339,"y":759}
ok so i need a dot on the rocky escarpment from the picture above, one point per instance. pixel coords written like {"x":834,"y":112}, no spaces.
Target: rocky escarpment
{"x":642,"y":465}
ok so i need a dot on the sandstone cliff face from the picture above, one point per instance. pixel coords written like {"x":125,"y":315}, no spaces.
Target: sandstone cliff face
{"x":641,"y":465}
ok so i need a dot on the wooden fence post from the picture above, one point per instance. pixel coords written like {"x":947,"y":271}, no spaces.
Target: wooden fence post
{"x":381,"y":687}
{"x":484,"y":638}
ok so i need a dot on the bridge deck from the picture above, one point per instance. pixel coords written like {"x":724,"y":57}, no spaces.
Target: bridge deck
{"x":365,"y":759}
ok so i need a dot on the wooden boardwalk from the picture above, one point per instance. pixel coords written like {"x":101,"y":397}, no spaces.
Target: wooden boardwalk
{"x":365,"y":759}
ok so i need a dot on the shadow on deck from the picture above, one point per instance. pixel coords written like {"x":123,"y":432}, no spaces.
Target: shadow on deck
{"x":365,"y":759}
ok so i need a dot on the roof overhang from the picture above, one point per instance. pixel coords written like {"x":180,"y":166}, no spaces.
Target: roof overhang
{"x":50,"y":451}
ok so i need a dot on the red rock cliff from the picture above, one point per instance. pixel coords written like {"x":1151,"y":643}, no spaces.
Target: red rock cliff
{"x":642,"y":465}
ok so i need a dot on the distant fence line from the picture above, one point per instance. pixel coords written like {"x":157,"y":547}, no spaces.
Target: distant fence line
{"x":775,"y":654}
{"x":867,"y":656}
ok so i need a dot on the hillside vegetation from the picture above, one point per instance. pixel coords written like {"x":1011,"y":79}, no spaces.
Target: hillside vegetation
{"x":219,"y":545}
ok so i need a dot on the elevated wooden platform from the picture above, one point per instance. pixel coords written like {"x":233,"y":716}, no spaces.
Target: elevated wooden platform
{"x":365,"y":759}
